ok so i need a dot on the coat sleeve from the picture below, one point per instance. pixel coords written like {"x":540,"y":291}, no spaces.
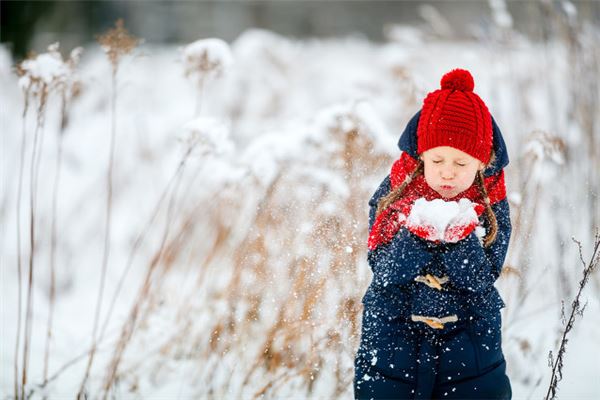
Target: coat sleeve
{"x":470,"y":266}
{"x":401,"y":260}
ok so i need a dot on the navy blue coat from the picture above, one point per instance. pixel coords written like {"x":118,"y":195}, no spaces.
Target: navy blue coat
{"x":402,"y":358}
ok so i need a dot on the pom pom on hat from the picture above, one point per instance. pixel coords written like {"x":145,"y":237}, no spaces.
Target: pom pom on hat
{"x":458,"y":79}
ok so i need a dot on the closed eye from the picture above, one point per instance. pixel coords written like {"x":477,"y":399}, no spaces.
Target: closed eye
{"x":459,"y":164}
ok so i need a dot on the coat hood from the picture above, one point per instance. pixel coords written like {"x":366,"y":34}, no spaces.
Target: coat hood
{"x":408,"y":144}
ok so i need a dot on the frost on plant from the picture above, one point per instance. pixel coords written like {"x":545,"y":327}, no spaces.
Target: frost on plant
{"x":47,"y":70}
{"x":206,"y":57}
{"x":204,"y":60}
{"x":209,"y":135}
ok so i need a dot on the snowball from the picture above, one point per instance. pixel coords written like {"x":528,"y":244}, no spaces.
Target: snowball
{"x":439,"y":214}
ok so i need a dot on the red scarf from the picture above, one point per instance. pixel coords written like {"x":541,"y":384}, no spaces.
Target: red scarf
{"x":387,"y":224}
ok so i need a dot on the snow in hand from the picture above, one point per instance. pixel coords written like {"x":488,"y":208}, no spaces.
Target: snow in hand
{"x":439,"y":220}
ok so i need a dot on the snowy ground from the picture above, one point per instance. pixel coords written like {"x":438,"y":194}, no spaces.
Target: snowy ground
{"x":276,"y":124}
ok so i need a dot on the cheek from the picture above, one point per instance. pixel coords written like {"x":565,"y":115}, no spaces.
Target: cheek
{"x":429,"y":173}
{"x":467,"y":178}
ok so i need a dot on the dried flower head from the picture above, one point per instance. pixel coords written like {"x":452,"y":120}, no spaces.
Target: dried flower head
{"x":117,"y":42}
{"x":39,"y":73}
{"x":206,"y":57}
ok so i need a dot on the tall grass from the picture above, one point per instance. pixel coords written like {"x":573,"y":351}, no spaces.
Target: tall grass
{"x":143,"y":294}
{"x":66,"y":90}
{"x":312,"y":295}
{"x":116,"y":43}
{"x":39,"y":76}
{"x":33,"y":180}
{"x":576,"y":309}
{"x":18,"y":225}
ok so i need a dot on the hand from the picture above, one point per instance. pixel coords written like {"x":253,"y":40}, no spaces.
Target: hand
{"x":425,"y":231}
{"x":387,"y":224}
{"x":464,"y":222}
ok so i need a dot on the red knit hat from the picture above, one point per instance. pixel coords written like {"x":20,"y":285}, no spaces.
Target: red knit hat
{"x":455,"y":116}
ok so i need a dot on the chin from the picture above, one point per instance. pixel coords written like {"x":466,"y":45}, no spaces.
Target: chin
{"x":448,"y":196}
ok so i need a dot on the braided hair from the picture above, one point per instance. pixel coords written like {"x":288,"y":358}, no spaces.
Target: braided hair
{"x":490,"y":237}
{"x":396,"y":194}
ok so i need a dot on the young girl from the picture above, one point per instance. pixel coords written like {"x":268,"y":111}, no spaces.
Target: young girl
{"x":439,"y":231}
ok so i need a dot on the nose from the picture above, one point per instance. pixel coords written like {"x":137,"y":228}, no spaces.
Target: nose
{"x":447,"y":173}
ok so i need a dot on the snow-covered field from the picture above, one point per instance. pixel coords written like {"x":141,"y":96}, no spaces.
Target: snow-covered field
{"x":243,"y":206}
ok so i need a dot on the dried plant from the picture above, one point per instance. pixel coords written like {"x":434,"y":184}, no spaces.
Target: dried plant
{"x":19,"y":266}
{"x":39,"y":75}
{"x":576,"y":309}
{"x":305,"y":307}
{"x":67,"y":89}
{"x":161,"y":257}
{"x":205,"y":59}
{"x":542,"y":153}
{"x":116,"y":43}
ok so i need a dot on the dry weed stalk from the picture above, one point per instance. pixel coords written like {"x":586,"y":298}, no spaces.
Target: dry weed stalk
{"x":18,"y":222}
{"x":580,"y":39}
{"x":68,"y":89}
{"x":116,"y":43}
{"x":138,"y":242}
{"x":299,"y":335}
{"x":34,"y":174}
{"x":576,"y":309}
{"x":339,"y":237}
{"x":164,"y":255}
{"x":205,"y":59}
{"x":38,"y":76}
{"x":541,"y":149}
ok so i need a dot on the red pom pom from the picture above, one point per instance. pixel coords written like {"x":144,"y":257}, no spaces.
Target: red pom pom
{"x":458,"y":79}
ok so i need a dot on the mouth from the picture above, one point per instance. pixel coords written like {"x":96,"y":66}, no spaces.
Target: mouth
{"x":446,"y":187}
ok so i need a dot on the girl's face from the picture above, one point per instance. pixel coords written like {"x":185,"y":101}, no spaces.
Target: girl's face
{"x":449,"y":171}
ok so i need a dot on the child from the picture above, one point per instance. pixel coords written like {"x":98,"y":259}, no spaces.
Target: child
{"x":439,"y":231}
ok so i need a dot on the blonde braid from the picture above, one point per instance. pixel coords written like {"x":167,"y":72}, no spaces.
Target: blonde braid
{"x":396,"y":194}
{"x":491,"y":216}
